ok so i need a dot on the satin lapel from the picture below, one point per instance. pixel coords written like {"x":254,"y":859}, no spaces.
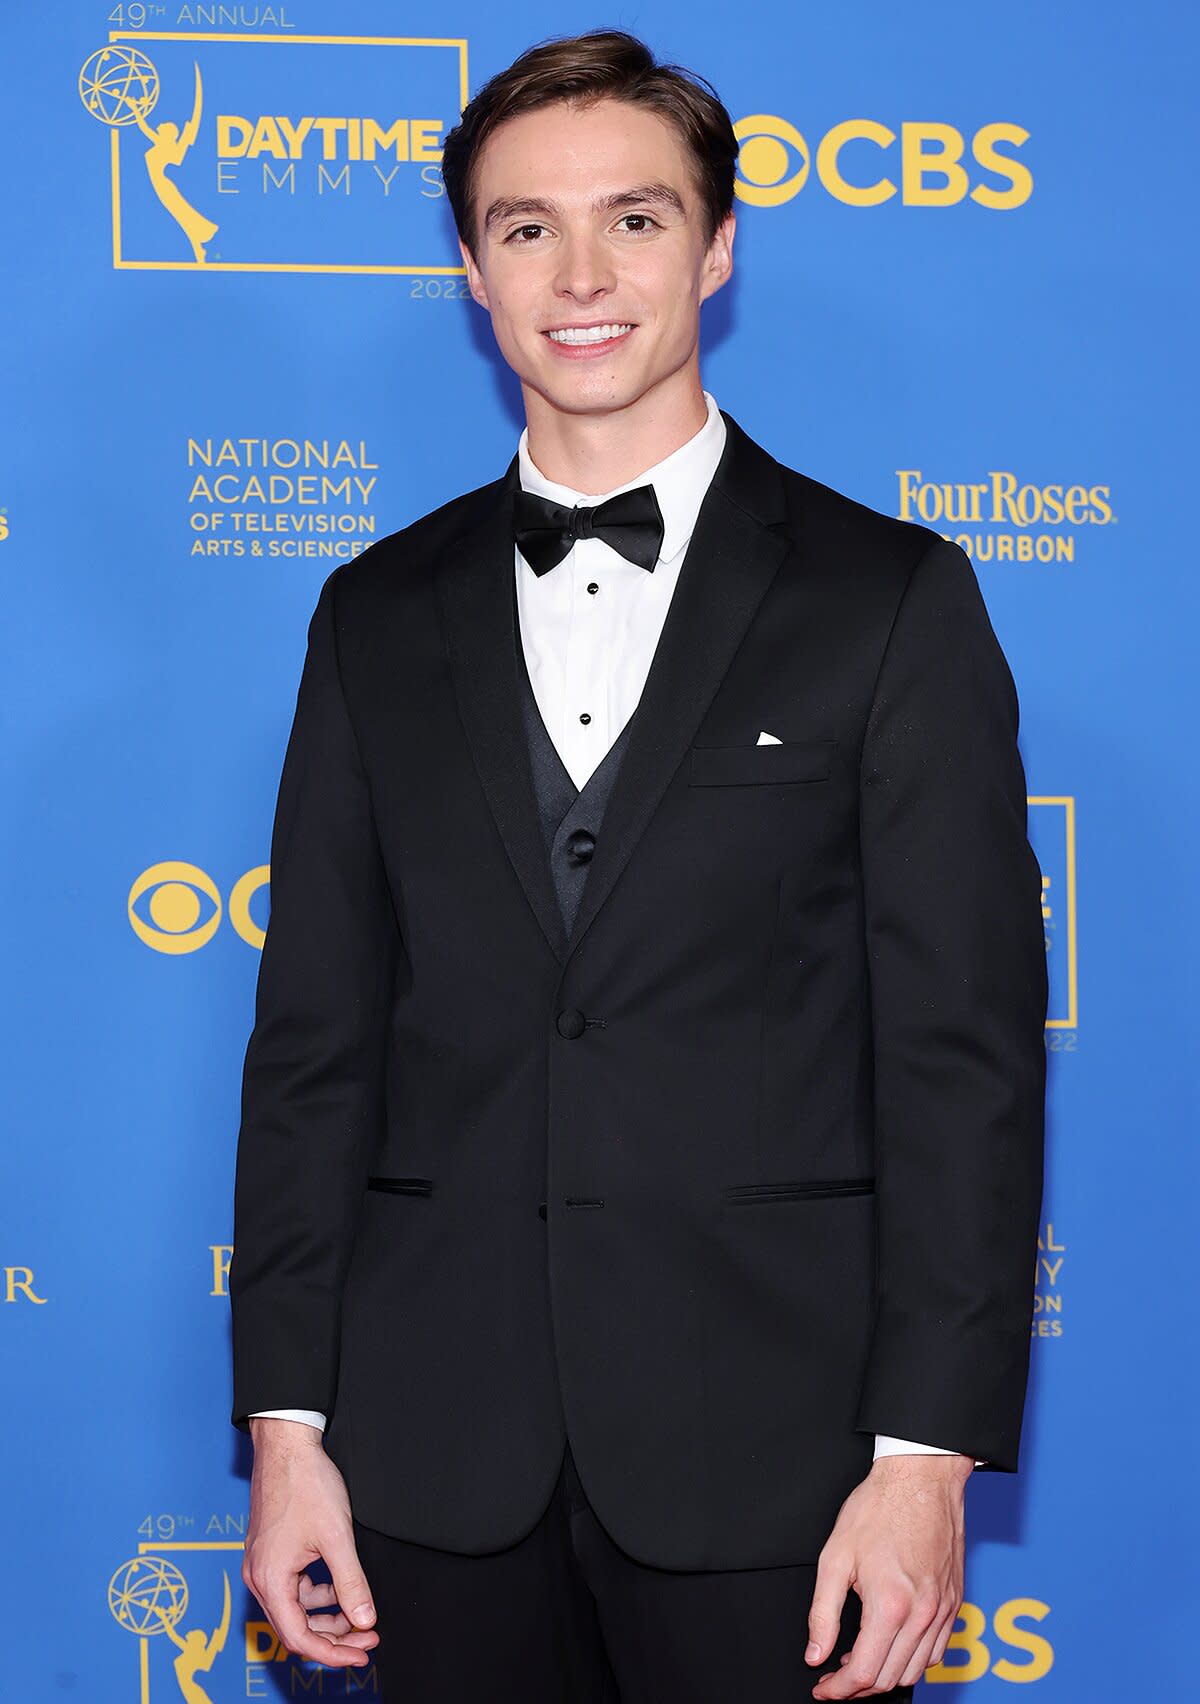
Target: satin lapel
{"x":735,"y":551}
{"x":731,"y":559}
{"x":475,"y":587}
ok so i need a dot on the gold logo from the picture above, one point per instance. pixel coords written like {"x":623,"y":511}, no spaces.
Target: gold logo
{"x":148,"y":1595}
{"x":1052,"y":835}
{"x":974,"y":1653}
{"x":173,"y":924}
{"x":302,"y":188}
{"x":119,"y":86}
{"x":174,"y":907}
{"x":1003,"y":518}
{"x":767,"y":176}
{"x":930,"y":161}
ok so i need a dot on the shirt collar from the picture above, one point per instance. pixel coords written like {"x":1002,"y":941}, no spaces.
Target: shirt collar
{"x":680,"y":480}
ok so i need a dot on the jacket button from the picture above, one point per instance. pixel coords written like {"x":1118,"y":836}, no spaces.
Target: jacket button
{"x":542,"y":1210}
{"x":570,"y":1023}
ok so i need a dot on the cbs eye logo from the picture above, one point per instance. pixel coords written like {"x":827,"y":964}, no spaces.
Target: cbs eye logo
{"x":767,"y":175}
{"x":167,"y":909}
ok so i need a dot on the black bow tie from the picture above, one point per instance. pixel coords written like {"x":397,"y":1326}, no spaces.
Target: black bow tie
{"x":631,"y":522}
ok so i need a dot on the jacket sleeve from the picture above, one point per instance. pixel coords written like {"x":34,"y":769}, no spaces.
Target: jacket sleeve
{"x":312,"y":1081}
{"x":957,"y":963}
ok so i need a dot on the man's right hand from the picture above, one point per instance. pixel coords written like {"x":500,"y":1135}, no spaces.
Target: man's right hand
{"x":299,"y":1512}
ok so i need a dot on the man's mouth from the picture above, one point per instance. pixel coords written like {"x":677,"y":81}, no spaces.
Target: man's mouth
{"x":574,"y":336}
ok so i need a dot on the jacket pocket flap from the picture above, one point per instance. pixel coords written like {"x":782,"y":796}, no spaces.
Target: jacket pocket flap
{"x":402,"y":1185}
{"x":798,"y":1191}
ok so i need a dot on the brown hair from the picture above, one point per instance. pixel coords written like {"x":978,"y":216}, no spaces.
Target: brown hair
{"x":601,"y":64}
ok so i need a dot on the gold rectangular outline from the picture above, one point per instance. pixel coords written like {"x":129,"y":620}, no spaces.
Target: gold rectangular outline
{"x":122,"y":265}
{"x":1067,"y":801}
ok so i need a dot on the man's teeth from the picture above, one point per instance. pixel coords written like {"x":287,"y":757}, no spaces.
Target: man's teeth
{"x":589,"y":334}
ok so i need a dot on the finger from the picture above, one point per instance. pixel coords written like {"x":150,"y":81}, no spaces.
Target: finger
{"x":314,"y":1593}
{"x":903,"y":1647}
{"x":922,"y":1657}
{"x":278,"y":1598}
{"x":319,"y":1596}
{"x":940,"y":1638}
{"x":923,"y":1616}
{"x":349,"y":1582}
{"x":883,"y":1616}
{"x":829,"y":1596}
{"x":366,"y":1638}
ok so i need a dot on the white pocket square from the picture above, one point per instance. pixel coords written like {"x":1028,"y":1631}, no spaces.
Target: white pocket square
{"x":768,"y":739}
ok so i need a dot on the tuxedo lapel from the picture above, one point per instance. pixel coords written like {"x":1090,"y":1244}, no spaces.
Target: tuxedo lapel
{"x":730,"y":561}
{"x":475,"y":587}
{"x":734,"y":553}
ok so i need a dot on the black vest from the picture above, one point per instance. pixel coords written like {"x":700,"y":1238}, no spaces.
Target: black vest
{"x":570,"y":816}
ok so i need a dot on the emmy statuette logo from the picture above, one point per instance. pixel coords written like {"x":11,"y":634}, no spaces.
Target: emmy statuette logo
{"x":148,"y":1596}
{"x":120,"y":86}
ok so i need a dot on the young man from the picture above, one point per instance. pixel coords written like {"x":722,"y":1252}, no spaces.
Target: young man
{"x":640,"y":1163}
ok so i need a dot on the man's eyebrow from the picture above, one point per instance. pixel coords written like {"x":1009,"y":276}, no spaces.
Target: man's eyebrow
{"x":645,"y":194}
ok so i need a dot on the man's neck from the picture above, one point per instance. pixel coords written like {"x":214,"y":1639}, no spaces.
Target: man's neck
{"x":595,"y":452}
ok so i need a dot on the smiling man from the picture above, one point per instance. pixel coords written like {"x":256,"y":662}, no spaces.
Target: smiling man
{"x":640,"y":1160}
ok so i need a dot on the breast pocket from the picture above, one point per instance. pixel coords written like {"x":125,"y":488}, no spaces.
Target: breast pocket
{"x":790,"y":761}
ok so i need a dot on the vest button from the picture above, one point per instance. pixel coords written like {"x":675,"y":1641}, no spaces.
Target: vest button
{"x":542,"y":1210}
{"x":580,"y":845}
{"x":570,"y":1023}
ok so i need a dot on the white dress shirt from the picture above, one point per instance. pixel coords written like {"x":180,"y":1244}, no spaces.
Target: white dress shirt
{"x":589,"y":629}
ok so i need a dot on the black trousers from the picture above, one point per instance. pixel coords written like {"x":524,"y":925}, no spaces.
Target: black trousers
{"x":566,"y":1617}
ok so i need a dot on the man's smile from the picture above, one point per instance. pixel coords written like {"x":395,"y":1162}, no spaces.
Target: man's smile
{"x":577,"y":341}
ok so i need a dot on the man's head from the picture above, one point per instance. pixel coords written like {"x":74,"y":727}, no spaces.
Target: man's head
{"x":592,"y":187}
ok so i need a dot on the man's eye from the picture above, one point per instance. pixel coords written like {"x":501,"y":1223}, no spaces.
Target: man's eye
{"x":645,"y":216}
{"x":520,"y":228}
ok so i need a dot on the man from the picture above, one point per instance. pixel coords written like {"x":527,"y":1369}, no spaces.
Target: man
{"x":640,"y":1162}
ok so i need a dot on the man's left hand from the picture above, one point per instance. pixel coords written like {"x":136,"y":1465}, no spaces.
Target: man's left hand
{"x":898,"y":1541}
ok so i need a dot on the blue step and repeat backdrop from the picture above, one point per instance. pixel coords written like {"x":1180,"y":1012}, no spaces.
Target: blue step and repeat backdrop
{"x":237,"y":349}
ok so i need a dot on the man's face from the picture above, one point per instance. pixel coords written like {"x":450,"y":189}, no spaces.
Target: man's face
{"x":588,"y":217}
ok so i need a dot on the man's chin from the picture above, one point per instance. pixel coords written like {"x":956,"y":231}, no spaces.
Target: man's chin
{"x":594,"y":393}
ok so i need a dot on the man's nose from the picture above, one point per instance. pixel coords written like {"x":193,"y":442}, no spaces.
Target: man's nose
{"x":584,"y":269}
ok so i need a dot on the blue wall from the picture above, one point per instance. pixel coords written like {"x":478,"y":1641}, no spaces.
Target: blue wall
{"x":1021,"y":324}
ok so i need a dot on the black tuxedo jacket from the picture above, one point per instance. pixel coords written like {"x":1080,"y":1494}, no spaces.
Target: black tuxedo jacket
{"x":745,"y":1170}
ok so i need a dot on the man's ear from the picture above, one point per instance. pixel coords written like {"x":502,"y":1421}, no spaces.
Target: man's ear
{"x":474,"y":277}
{"x":718,"y":262}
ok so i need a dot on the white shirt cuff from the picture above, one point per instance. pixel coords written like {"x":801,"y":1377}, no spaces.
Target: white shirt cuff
{"x":310,"y":1416}
{"x":905,"y":1446}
